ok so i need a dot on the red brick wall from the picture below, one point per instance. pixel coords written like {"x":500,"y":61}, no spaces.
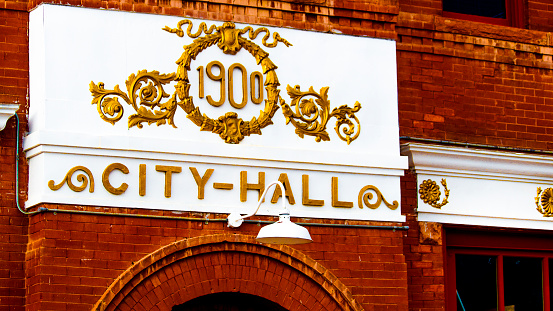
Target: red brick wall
{"x":13,"y":90}
{"x":465,"y":82}
{"x":73,"y":258}
{"x":13,"y":225}
{"x":540,"y":15}
{"x":191,"y":268}
{"x":458,"y":81}
{"x":472,"y":83}
{"x":424,"y":256}
{"x":14,"y":53}
{"x":431,"y":7}
{"x":375,"y":19}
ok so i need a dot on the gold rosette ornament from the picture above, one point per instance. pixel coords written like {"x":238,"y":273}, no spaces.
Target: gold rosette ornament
{"x":430,"y":193}
{"x":544,"y":202}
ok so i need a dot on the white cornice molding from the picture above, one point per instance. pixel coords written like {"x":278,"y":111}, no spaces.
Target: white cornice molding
{"x":478,"y":163}
{"x":487,"y":187}
{"x":172,"y":150}
{"x":6,"y":111}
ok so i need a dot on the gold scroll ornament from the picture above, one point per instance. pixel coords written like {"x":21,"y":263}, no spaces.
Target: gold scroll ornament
{"x":145,"y":92}
{"x":83,"y":179}
{"x":430,"y":193}
{"x":365,"y":196}
{"x":544,"y":202}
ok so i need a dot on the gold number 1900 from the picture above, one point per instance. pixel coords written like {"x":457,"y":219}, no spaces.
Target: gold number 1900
{"x":256,"y":84}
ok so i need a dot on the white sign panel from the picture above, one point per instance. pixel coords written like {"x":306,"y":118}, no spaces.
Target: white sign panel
{"x":144,"y":104}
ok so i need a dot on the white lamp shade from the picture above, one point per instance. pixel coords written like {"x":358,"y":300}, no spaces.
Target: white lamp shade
{"x":284,"y":232}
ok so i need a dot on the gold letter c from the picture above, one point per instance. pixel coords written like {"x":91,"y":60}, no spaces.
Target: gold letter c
{"x":105,"y":178}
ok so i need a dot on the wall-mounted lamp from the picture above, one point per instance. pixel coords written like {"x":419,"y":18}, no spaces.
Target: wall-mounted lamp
{"x":281,"y":232}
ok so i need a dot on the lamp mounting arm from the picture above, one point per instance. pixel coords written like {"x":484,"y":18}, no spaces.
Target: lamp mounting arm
{"x":235,"y":219}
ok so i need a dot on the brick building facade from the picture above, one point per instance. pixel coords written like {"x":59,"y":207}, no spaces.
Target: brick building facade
{"x":466,"y":90}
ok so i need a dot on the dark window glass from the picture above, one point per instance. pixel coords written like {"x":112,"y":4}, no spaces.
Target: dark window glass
{"x":523,"y":283}
{"x":476,"y":282}
{"x":229,"y":302}
{"x":486,"y":8}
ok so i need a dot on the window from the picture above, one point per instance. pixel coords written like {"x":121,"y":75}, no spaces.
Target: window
{"x":499,"y":12}
{"x":498,"y":271}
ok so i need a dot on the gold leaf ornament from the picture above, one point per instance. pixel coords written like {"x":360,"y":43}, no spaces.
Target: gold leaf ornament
{"x":148,"y":93}
{"x":347,"y":129}
{"x":430,"y":193}
{"x":308,"y":107}
{"x":144,"y":94}
{"x":111,"y":106}
{"x":311,"y":115}
{"x":544,"y":202}
{"x":108,"y":106}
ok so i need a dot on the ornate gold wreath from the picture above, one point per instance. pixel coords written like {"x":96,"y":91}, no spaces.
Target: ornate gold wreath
{"x":145,"y":92}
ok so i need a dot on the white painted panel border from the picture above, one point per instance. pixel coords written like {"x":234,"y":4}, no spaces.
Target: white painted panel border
{"x":71,"y":46}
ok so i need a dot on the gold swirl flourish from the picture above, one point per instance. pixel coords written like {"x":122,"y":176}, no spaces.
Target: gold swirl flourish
{"x":544,"y":202}
{"x":144,"y":93}
{"x":179,"y":32}
{"x":83,"y":179}
{"x":311,"y":116}
{"x":109,"y":108}
{"x":344,"y":115}
{"x":364,"y":198}
{"x":276,"y":36}
{"x":430,"y":193}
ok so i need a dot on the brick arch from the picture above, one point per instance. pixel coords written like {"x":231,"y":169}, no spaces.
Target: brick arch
{"x":199,"y":266}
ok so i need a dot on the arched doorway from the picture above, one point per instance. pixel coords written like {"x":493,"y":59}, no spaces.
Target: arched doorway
{"x":226,"y":263}
{"x":229,"y":302}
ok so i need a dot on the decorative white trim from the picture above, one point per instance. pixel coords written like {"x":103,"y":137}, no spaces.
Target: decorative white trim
{"x":487,"y":187}
{"x":485,"y":221}
{"x":6,"y":111}
{"x":478,"y":163}
{"x":206,"y":152}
